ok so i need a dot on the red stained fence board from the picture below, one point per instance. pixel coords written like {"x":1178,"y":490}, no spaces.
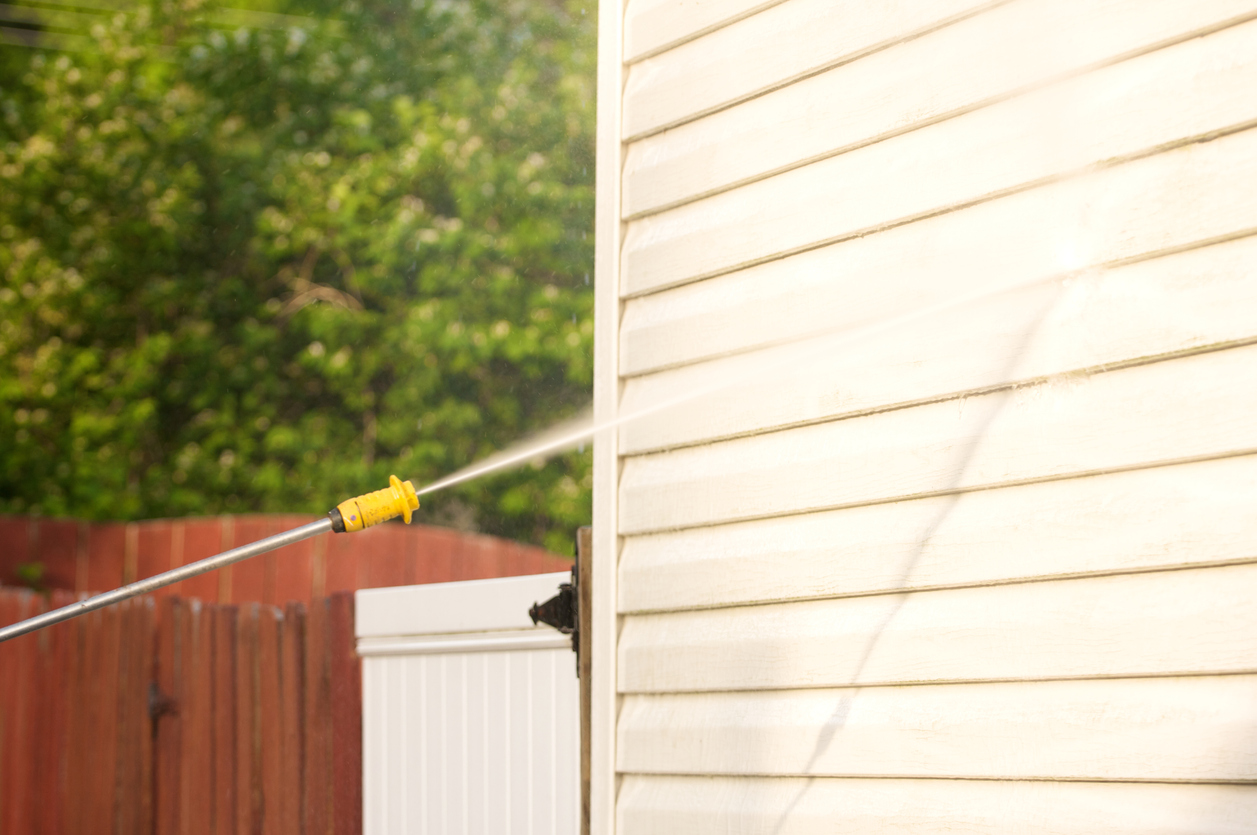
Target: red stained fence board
{"x":270,"y":705}
{"x":389,"y":559}
{"x":342,"y":562}
{"x":201,"y":538}
{"x":346,"y":704}
{"x":223,"y":720}
{"x":106,"y":548}
{"x":317,"y":804}
{"x":436,"y":553}
{"x":180,"y":714}
{"x":82,"y":556}
{"x":293,"y":571}
{"x":15,"y":547}
{"x":292,"y":717}
{"x":175,"y":717}
{"x":248,"y":723}
{"x":249,"y":578}
{"x":57,"y":544}
{"x":153,"y":544}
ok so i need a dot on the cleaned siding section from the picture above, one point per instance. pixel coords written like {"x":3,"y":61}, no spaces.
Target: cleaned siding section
{"x":949,"y":523}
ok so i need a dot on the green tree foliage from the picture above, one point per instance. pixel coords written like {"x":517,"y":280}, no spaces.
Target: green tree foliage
{"x":259,"y":270}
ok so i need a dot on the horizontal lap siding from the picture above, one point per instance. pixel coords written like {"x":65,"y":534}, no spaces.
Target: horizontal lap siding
{"x":1198,"y":621}
{"x":979,"y":156}
{"x":746,"y":58}
{"x":1197,"y":729}
{"x":1138,"y":210}
{"x":1138,"y":520}
{"x":1190,"y":301}
{"x":976,"y":61}
{"x":1179,"y":409}
{"x":652,"y":26}
{"x":939,"y":349}
{"x":821,"y":806}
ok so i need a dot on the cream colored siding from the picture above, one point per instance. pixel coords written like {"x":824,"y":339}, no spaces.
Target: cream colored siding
{"x":917,"y":175}
{"x":651,"y":26}
{"x":978,"y":554}
{"x":1165,"y":729}
{"x":979,"y":61}
{"x":1059,"y":428}
{"x":782,"y":44}
{"x":1144,"y":209}
{"x":1122,"y":315}
{"x":806,"y":806}
{"x":1117,"y":523}
{"x":1195,"y":621}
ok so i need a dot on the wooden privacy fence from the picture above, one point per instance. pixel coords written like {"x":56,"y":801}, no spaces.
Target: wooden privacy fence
{"x":175,"y":716}
{"x":98,"y":556}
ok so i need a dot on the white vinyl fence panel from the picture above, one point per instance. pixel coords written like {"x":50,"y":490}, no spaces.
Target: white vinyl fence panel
{"x":470,"y":713}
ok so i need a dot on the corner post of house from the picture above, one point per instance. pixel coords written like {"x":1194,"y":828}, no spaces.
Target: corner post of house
{"x":605,"y":539}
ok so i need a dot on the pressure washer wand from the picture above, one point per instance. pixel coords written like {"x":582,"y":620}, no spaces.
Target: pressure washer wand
{"x":398,"y":499}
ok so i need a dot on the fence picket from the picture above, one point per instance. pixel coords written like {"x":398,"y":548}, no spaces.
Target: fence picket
{"x":166,"y":705}
{"x":248,"y":724}
{"x":223,"y":688}
{"x":346,"y":701}
{"x":270,"y":624}
{"x":174,"y":717}
{"x":10,"y":657}
{"x":197,"y":774}
{"x":316,"y":810}
{"x":49,"y":758}
{"x":291,"y":717}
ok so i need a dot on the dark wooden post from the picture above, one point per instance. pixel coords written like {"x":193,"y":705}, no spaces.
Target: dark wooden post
{"x":584,"y":610}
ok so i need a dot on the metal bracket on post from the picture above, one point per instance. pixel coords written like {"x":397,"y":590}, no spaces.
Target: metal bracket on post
{"x":561,"y":611}
{"x":570,"y":612}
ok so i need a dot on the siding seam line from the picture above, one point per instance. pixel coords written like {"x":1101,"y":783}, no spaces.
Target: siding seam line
{"x":886,"y":685}
{"x":961,"y":778}
{"x":945,"y":682}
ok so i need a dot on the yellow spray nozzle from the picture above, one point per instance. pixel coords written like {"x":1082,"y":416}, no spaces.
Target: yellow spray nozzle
{"x":398,"y":499}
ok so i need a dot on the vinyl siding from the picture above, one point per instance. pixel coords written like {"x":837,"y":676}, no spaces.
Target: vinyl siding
{"x":949,"y":525}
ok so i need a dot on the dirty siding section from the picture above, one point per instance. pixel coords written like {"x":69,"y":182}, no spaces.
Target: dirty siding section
{"x":950,"y":526}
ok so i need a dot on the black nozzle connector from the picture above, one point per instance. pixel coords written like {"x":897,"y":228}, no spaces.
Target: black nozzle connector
{"x":559,"y":611}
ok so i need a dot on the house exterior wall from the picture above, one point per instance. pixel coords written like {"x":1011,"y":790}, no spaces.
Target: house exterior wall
{"x":949,"y":523}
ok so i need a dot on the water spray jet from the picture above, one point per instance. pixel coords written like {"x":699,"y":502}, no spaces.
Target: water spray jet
{"x":401,"y":498}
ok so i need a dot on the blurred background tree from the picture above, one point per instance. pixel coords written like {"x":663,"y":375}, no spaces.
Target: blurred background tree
{"x":258,"y":268}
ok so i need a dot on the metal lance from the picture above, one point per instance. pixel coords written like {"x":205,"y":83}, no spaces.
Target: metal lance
{"x":358,"y":513}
